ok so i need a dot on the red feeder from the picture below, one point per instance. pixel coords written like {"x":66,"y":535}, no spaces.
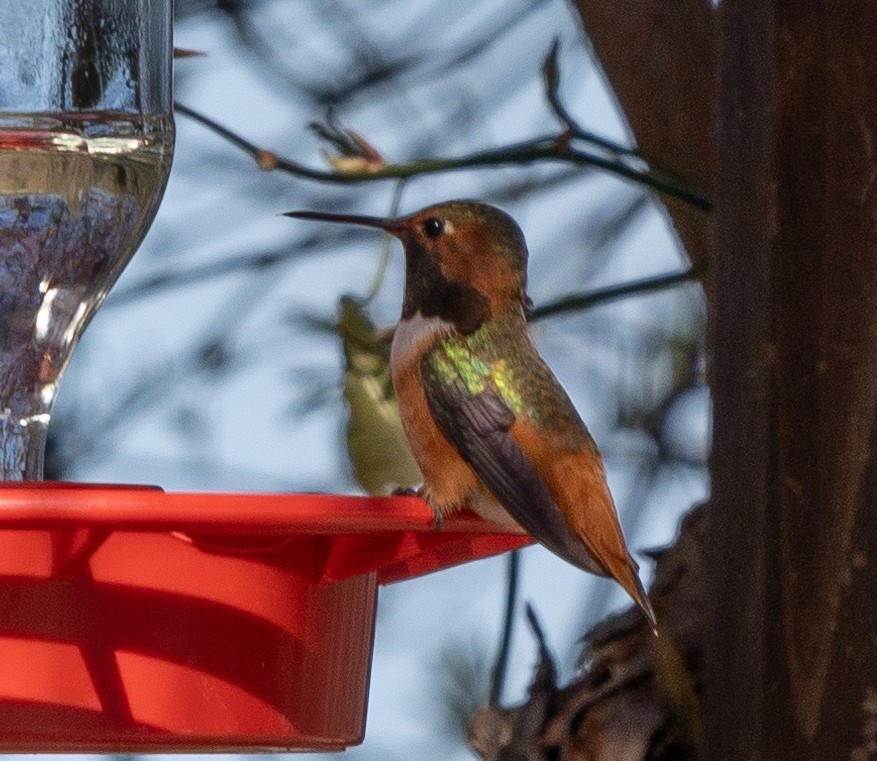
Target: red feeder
{"x":132,"y":620}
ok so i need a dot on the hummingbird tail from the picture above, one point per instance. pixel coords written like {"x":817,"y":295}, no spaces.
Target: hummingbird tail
{"x":641,"y":598}
{"x":625,"y":571}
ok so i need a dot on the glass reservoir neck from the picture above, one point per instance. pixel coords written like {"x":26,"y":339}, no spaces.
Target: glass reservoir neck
{"x":22,"y":445}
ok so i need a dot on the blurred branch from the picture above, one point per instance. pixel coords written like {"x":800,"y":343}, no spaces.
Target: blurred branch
{"x":384,"y":257}
{"x":551,"y":75}
{"x":257,"y":261}
{"x":560,"y":147}
{"x":659,"y":58}
{"x":275,"y":257}
{"x":500,"y":667}
{"x":501,"y":735}
{"x":582,"y":301}
{"x":196,"y":275}
{"x":542,"y":643}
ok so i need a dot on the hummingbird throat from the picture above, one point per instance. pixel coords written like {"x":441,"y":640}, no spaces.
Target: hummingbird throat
{"x":429,"y":292}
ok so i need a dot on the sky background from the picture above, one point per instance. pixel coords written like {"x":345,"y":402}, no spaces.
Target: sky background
{"x":203,"y":373}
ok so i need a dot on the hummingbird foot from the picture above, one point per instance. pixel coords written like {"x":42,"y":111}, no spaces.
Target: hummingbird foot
{"x":420,"y":491}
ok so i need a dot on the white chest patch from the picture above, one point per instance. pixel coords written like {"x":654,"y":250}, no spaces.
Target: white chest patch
{"x":413,"y":335}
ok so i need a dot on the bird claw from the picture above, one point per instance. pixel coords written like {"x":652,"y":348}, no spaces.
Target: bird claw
{"x":411,"y":491}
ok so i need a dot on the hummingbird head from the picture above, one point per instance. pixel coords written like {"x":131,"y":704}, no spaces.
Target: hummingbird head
{"x":465,"y":261}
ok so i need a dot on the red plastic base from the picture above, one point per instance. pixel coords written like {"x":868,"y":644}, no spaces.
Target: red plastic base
{"x":134,"y":620}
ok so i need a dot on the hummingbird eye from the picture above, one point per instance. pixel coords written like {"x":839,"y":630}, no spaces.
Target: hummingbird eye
{"x":433,"y":227}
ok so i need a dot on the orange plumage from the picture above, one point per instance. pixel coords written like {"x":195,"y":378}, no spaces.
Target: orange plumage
{"x":489,"y":424}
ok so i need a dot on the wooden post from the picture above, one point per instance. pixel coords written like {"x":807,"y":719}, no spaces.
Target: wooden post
{"x":791,"y":658}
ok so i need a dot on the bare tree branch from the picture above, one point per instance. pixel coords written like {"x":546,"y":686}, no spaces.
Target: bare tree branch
{"x":582,"y":301}
{"x":560,"y":147}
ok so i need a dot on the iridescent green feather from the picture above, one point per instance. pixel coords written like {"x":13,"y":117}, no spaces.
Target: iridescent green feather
{"x":500,"y":358}
{"x":476,"y":361}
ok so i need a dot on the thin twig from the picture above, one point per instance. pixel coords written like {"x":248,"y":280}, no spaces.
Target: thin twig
{"x":551,"y":75}
{"x":500,"y":667}
{"x":662,"y":180}
{"x":663,"y":185}
{"x":582,"y":301}
{"x":538,"y":633}
{"x":384,"y":256}
{"x":220,"y":267}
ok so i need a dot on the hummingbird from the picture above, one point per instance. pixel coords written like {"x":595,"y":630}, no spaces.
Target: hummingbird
{"x":489,"y":424}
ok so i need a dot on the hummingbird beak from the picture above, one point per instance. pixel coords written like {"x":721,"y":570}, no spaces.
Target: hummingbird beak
{"x":391,"y":226}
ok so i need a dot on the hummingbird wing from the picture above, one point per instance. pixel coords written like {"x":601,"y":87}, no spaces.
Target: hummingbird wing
{"x":552,"y":485}
{"x":477,"y":426}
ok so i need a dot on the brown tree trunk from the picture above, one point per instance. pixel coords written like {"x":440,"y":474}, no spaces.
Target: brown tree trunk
{"x":791,"y":662}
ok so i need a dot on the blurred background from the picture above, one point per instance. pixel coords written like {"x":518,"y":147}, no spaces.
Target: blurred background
{"x":217,"y":363}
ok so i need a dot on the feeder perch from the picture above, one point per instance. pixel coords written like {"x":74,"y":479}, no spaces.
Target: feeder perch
{"x":134,"y":620}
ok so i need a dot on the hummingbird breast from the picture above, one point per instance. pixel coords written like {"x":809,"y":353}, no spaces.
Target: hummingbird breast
{"x":449,"y":483}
